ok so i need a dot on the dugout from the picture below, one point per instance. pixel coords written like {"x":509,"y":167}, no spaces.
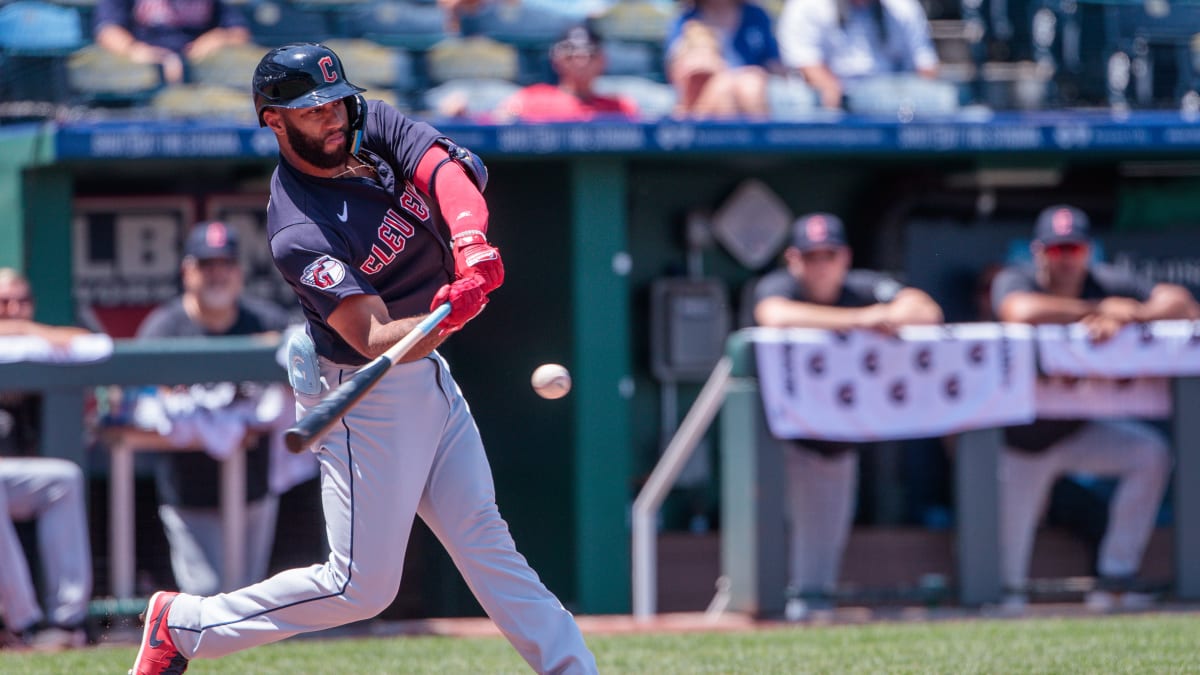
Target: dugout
{"x":589,"y":217}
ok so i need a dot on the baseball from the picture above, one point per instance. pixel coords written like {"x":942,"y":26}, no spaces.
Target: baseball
{"x":550,"y":380}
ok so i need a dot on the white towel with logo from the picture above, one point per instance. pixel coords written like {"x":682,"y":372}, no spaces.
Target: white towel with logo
{"x":81,"y":349}
{"x":1155,"y":348}
{"x":863,"y":386}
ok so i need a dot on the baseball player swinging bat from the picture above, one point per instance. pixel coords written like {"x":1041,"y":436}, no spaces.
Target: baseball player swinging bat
{"x":326,"y":413}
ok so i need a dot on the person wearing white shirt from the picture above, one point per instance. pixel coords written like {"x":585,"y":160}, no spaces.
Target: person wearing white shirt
{"x":833,"y":43}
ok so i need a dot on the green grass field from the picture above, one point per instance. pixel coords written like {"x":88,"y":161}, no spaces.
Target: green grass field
{"x":1166,"y":643}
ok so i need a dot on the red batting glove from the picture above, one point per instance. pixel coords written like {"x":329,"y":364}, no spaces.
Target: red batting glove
{"x":474,"y":256}
{"x":467,"y":299}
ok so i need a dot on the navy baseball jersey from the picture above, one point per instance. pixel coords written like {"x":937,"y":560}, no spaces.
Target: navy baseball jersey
{"x":1102,"y":281}
{"x":334,"y":238}
{"x":861,"y":288}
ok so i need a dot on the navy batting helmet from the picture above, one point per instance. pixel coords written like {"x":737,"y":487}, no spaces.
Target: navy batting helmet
{"x":303,"y":75}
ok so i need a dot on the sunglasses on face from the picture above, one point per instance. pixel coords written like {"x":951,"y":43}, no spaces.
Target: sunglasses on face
{"x":1065,"y":250}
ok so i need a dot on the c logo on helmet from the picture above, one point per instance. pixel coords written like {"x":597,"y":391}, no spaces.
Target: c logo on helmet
{"x":327,"y":70}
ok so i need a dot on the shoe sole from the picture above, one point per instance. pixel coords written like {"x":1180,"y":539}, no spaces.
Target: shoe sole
{"x":146,"y":626}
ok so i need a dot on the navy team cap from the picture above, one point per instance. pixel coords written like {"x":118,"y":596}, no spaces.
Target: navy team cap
{"x":1062,"y":224}
{"x":818,"y":231}
{"x":211,"y":239}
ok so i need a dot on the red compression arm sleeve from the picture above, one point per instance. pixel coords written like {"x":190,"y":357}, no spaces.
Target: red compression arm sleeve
{"x":459,"y":200}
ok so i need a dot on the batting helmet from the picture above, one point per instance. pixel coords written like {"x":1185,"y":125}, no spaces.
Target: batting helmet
{"x":303,"y":75}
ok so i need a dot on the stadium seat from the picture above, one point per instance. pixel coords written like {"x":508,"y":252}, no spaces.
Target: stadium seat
{"x":654,"y":99}
{"x":85,"y":8}
{"x":470,"y":96}
{"x":471,"y":57}
{"x":523,"y":25}
{"x":635,"y":21}
{"x":38,"y":29}
{"x":278,"y":22}
{"x":790,"y":98}
{"x":35,"y":38}
{"x":231,"y":66}
{"x":408,"y":25}
{"x":376,"y":67}
{"x":104,"y":78}
{"x":633,"y":58}
{"x":203,"y":101}
{"x":902,"y":95}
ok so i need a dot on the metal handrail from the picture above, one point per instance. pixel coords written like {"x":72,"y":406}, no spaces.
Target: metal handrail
{"x":645,"y":507}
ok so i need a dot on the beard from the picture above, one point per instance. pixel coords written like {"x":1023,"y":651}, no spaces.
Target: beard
{"x":313,"y":151}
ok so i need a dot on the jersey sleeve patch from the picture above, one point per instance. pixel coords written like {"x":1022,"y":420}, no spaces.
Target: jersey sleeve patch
{"x":323,"y":273}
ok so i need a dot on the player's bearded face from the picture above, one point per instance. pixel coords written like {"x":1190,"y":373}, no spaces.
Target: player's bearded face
{"x":311,"y":148}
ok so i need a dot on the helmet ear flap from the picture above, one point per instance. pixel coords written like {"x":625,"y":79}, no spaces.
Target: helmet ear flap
{"x":356,"y":113}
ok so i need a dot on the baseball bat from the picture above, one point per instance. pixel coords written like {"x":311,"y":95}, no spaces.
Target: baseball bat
{"x":326,"y":413}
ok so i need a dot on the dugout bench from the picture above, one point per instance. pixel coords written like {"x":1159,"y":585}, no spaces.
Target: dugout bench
{"x":753,"y":534}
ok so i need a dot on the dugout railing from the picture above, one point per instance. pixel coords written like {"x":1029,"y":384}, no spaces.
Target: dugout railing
{"x":135,"y":363}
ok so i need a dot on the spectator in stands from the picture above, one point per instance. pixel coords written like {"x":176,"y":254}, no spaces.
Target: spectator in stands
{"x":838,"y":44}
{"x":166,"y":32}
{"x":217,"y":416}
{"x":816,"y":288}
{"x":719,"y":56}
{"x":48,"y":489}
{"x":1064,"y":286}
{"x":577,"y":59}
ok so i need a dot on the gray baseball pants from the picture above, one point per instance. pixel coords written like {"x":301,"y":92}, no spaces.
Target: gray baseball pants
{"x":410,"y":447}
{"x":49,"y":490}
{"x":1132,"y":452}
{"x":821,"y":493}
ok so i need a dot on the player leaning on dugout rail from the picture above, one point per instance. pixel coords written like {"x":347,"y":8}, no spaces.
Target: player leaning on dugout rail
{"x":375,"y":219}
{"x":48,"y":489}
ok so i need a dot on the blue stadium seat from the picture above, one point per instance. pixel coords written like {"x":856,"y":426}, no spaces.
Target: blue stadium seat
{"x":521,"y":25}
{"x":278,"y":22}
{"x":35,"y":38}
{"x":39,"y":29}
{"x":408,"y":25}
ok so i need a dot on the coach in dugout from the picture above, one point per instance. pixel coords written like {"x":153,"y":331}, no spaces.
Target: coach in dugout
{"x":1062,"y":286}
{"x":49,"y":490}
{"x":217,"y":416}
{"x":817,"y":289}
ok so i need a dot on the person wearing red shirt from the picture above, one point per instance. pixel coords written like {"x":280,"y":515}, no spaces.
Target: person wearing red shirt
{"x":578,"y":59}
